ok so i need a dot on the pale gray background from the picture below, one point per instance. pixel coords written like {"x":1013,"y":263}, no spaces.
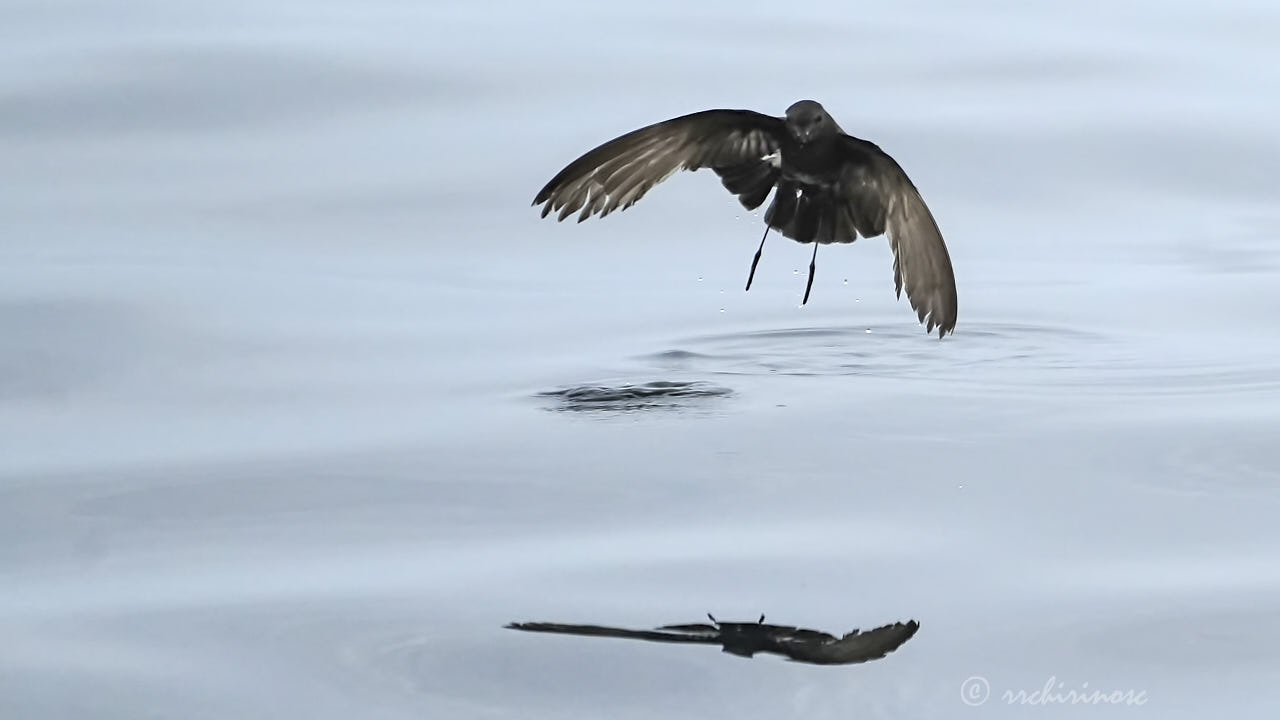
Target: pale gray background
{"x":274,"y":312}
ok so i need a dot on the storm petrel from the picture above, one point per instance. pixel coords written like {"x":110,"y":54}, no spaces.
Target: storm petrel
{"x":831,"y":188}
{"x":745,"y":639}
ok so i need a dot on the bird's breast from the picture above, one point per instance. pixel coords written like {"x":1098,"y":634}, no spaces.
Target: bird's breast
{"x":811,"y":179}
{"x":812,"y":164}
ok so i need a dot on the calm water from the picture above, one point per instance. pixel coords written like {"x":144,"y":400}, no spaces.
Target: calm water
{"x":276,"y":319}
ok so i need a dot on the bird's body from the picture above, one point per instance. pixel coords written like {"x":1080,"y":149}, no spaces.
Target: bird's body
{"x":815,"y":163}
{"x":830,"y":188}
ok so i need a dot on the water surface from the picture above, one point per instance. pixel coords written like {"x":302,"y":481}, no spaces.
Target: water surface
{"x":279,"y":328}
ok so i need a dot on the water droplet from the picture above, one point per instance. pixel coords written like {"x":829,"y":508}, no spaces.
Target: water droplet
{"x":857,"y":299}
{"x":795,"y":272}
{"x":721,"y":309}
{"x":846,"y":281}
{"x":721,"y":292}
{"x":699,"y":278}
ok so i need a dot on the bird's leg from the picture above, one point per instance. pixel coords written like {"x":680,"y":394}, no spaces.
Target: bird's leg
{"x":756,"y":260}
{"x":812,"y":265}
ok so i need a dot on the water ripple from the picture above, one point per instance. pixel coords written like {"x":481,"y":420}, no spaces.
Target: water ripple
{"x":984,"y":357}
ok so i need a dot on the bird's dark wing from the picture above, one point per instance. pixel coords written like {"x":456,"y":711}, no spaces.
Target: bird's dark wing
{"x":615,"y":175}
{"x":683,"y":636}
{"x":882,"y":199}
{"x":855,"y":647}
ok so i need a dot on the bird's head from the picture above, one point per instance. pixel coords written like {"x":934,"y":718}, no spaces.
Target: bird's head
{"x":808,"y":121}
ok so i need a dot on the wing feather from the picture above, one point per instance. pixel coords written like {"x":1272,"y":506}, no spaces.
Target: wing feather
{"x":683,"y":636}
{"x":615,"y":175}
{"x":882,"y":199}
{"x":854,"y":647}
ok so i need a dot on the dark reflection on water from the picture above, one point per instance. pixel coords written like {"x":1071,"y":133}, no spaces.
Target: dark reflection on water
{"x":656,"y":395}
{"x":746,"y":639}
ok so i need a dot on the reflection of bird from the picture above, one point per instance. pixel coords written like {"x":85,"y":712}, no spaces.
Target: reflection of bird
{"x":831,"y":188}
{"x":748,"y":638}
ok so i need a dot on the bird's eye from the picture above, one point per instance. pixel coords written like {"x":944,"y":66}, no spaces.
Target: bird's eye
{"x":817,"y":119}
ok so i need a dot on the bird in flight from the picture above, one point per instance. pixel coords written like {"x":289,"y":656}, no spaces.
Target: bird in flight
{"x":831,"y":188}
{"x":745,"y":639}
